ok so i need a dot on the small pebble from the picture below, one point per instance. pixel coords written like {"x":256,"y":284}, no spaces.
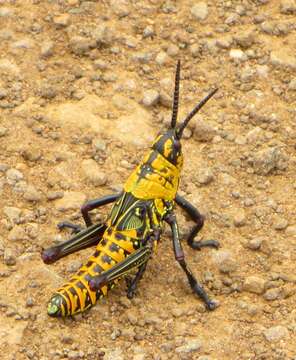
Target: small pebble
{"x":161,"y":58}
{"x":17,"y":233}
{"x":32,"y":194}
{"x":47,"y":49}
{"x":190,"y":346}
{"x":276,"y":333}
{"x":240,"y":218}
{"x":150,"y":98}
{"x":72,"y":200}
{"x":254,"y":284}
{"x":237,"y":54}
{"x":93,"y":173}
{"x":13,"y":213}
{"x":205,"y":176}
{"x":80,"y":45}
{"x":266,"y":161}
{"x":3,"y":130}
{"x":203,"y":132}
{"x":291,"y":230}
{"x":255,"y":244}
{"x":280,"y":223}
{"x":224,"y":260}
{"x":13,"y":176}
{"x":288,"y":6}
{"x":62,"y":20}
{"x":200,"y":11}
{"x":272,"y":294}
{"x":9,"y":257}
{"x":32,"y":154}
{"x":53,"y":195}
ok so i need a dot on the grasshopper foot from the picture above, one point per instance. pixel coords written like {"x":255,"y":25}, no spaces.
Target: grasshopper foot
{"x":65,"y":224}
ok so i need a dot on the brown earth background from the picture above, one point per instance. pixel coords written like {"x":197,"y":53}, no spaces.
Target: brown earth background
{"x":84,"y":88}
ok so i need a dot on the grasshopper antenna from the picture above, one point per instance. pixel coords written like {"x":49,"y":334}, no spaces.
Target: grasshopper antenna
{"x":176,"y":96}
{"x":193,"y":112}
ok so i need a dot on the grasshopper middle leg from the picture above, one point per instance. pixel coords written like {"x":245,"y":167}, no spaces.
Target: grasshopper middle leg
{"x":86,"y":208}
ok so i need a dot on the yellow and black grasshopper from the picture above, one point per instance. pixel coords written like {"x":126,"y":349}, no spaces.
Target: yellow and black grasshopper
{"x":126,"y":241}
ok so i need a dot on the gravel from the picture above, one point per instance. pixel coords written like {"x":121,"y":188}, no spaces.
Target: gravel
{"x":62,"y":63}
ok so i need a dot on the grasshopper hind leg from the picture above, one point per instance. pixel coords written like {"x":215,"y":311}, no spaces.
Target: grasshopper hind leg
{"x":84,"y":239}
{"x":196,"y":216}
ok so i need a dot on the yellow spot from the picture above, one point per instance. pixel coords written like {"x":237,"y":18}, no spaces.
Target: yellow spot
{"x":168,"y":148}
{"x":104,"y":290}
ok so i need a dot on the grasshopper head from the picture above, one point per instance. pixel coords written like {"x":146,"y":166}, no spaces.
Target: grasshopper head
{"x":56,"y":307}
{"x":169,"y":144}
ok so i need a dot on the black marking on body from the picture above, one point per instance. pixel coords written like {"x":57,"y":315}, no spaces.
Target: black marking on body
{"x":75,"y":295}
{"x":80,"y":285}
{"x":103,"y":242}
{"x":106,"y":259}
{"x":119,"y":236}
{"x":114,"y":247}
{"x":87,"y":277}
{"x":98,"y":269}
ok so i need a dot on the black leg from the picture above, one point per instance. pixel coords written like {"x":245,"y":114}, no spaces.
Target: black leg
{"x":66,"y":224}
{"x":179,"y":255}
{"x":85,"y":209}
{"x":93,"y":204}
{"x":196,"y":216}
{"x":86,"y":238}
{"x":133,"y":283}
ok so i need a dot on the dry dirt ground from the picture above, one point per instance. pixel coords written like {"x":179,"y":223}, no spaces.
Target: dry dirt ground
{"x":84,"y":88}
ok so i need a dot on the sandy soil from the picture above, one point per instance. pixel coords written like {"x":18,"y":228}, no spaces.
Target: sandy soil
{"x":84,"y":88}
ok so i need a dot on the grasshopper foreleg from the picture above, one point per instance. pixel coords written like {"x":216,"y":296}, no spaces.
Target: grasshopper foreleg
{"x":180,"y":257}
{"x":196,"y":216}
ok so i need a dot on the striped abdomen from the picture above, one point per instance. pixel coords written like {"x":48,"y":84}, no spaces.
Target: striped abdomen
{"x":76,"y":296}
